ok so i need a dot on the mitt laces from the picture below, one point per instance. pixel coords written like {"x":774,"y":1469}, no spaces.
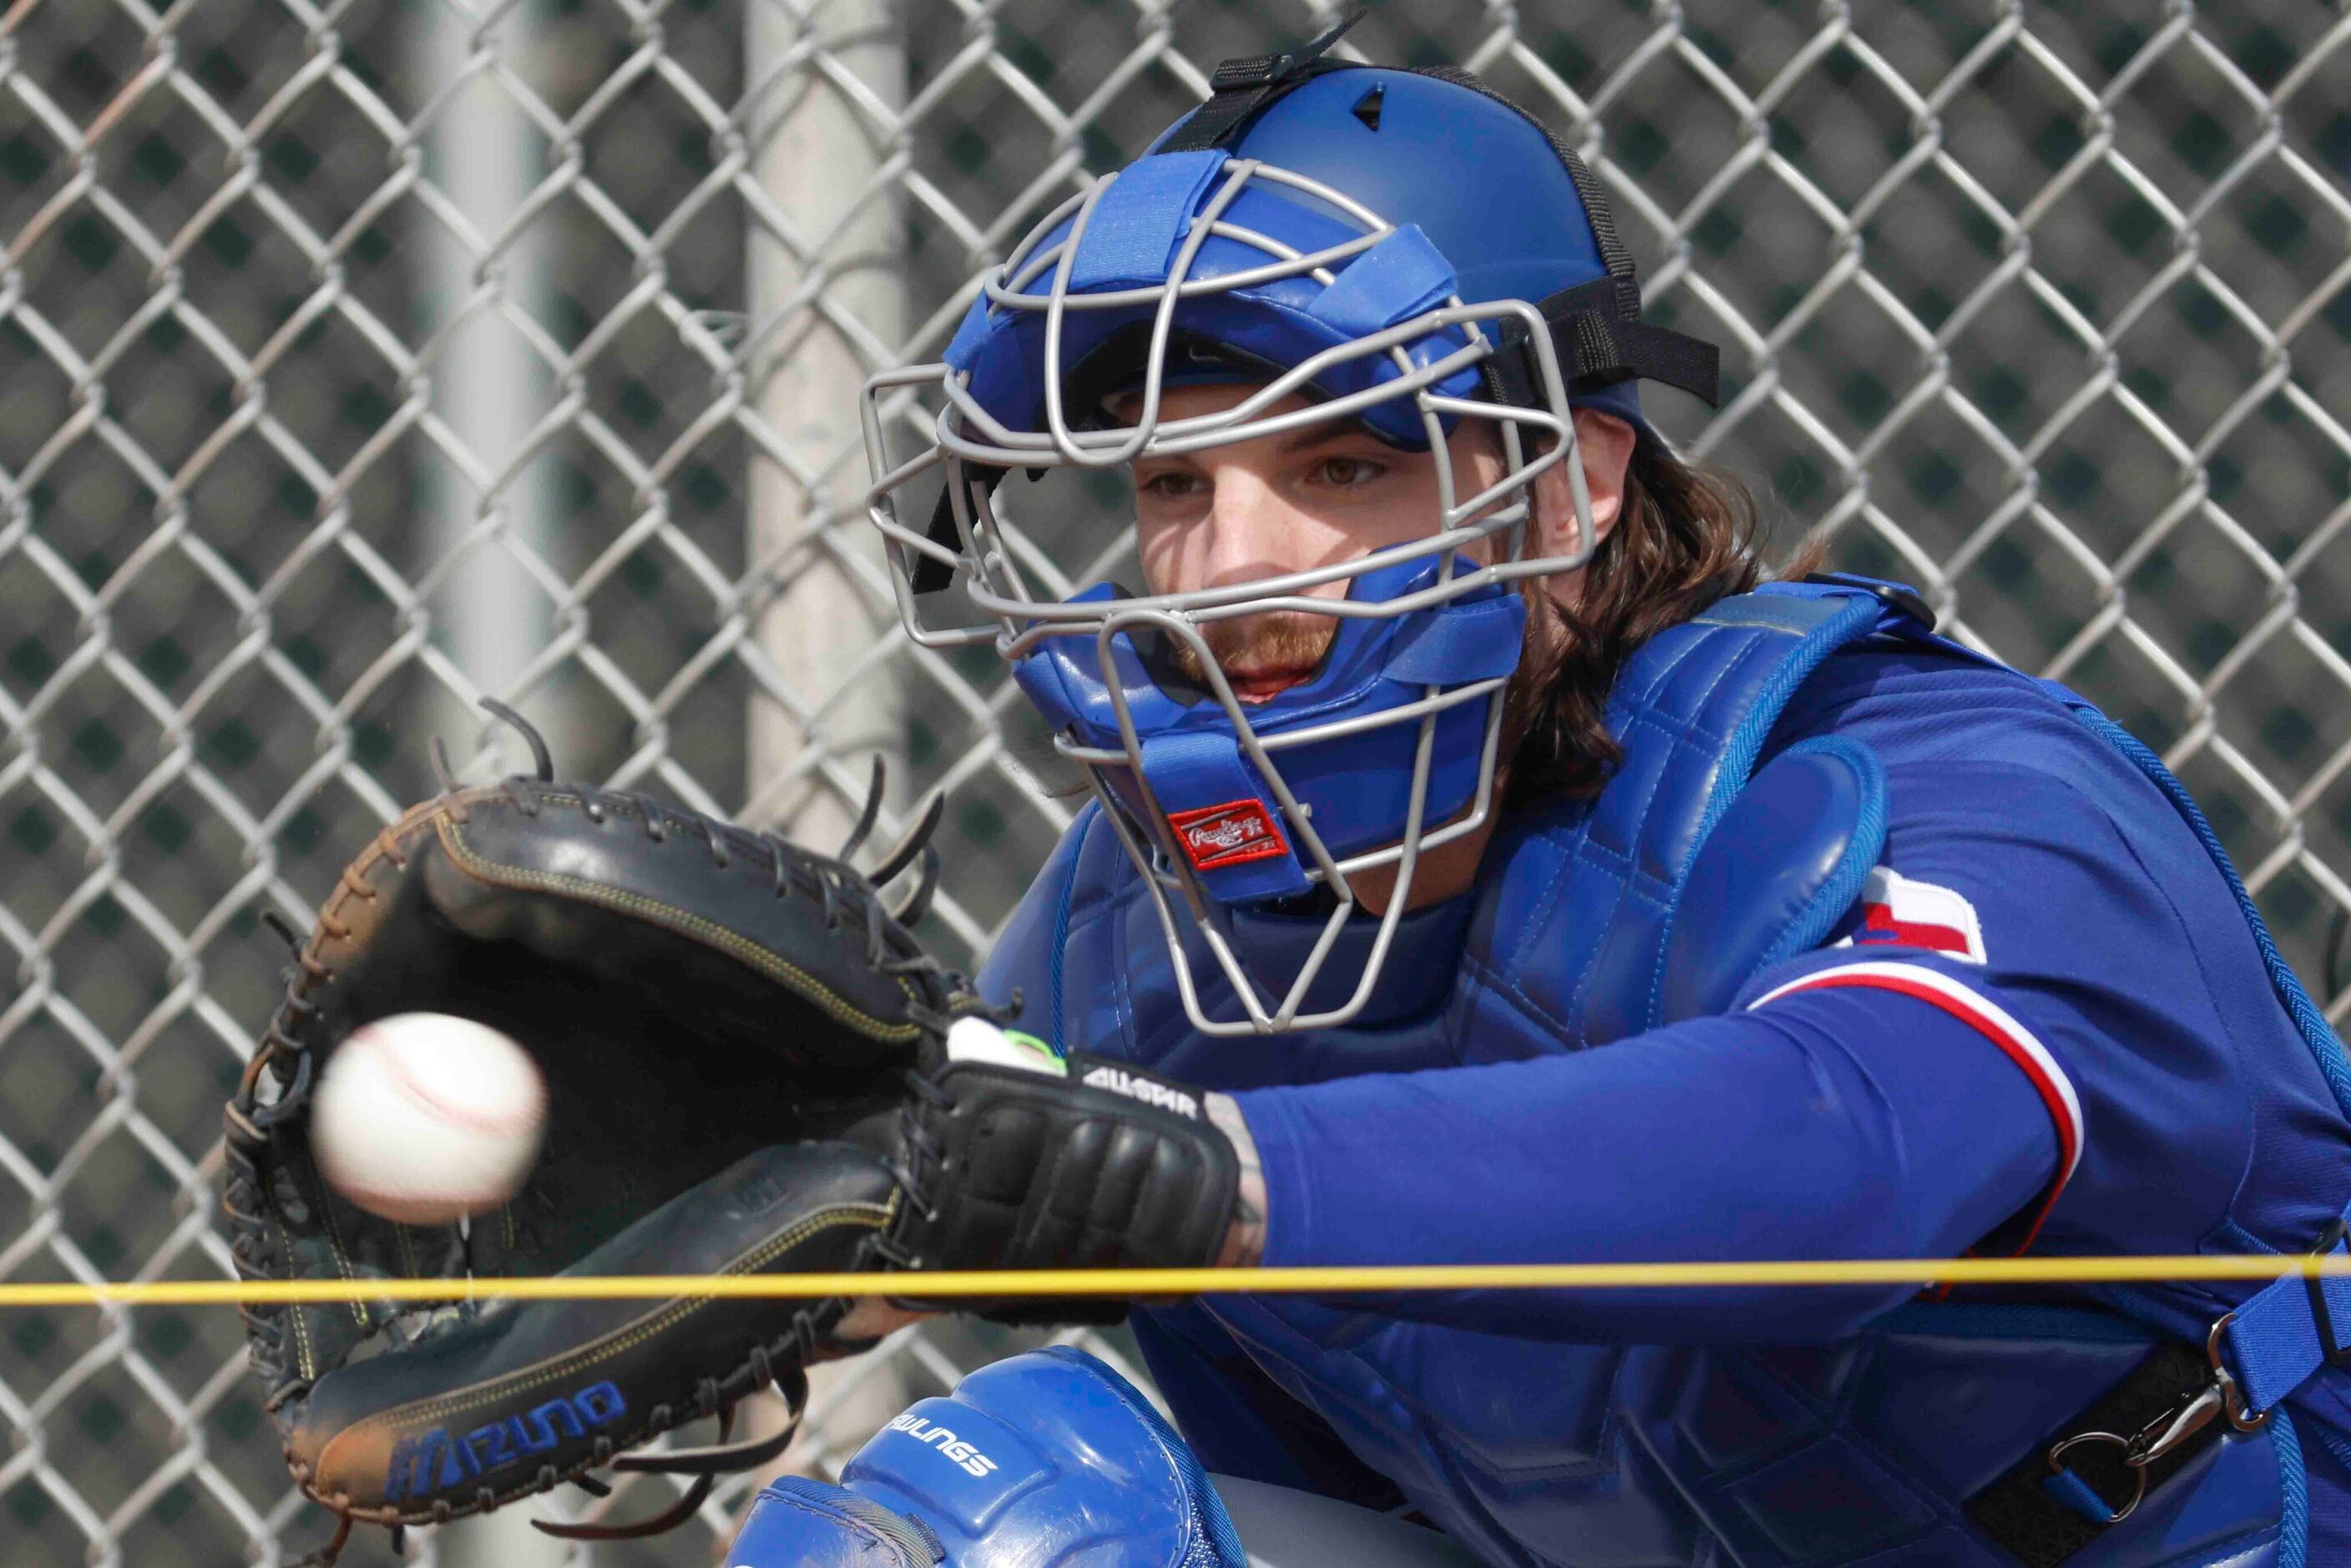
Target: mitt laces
{"x":849,"y":897}
{"x":247,"y":1121}
{"x":703,"y":1465}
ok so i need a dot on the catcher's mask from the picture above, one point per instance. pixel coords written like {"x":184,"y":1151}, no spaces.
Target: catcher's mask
{"x":1403,"y":249}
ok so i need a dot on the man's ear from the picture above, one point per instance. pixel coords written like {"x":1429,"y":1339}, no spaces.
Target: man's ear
{"x":1605,"y":445}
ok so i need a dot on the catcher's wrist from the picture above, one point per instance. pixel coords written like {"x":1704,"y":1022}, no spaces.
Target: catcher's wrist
{"x":1244,"y":1245}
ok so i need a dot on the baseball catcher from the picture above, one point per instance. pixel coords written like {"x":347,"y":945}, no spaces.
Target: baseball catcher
{"x":1521,"y":874}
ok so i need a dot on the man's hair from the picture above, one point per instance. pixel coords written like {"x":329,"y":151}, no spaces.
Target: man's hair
{"x":1685,"y":536}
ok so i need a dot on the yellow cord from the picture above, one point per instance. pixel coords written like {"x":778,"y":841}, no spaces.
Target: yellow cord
{"x":1148,"y":1282}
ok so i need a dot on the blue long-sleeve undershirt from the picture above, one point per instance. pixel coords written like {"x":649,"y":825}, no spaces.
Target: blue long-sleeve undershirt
{"x":1827,"y":1123}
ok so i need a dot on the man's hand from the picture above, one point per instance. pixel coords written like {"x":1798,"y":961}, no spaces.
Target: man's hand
{"x":876,"y":1318}
{"x":1011,"y":1156}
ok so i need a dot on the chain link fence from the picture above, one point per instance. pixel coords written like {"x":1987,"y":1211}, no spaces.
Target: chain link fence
{"x":360,"y":358}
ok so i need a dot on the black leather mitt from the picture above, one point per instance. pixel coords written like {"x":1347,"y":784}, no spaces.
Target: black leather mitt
{"x":700,"y":999}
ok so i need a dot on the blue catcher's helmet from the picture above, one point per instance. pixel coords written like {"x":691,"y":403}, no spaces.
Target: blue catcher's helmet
{"x":1402,"y":248}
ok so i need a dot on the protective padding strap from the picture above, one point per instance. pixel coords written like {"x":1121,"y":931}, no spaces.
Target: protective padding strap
{"x":1608,"y":350}
{"x":1460,"y":643}
{"x":1393,"y":281}
{"x":1135,"y":227}
{"x":2070,"y":1491}
{"x":1220,"y":817}
{"x":931,"y":574}
{"x":2284,"y":1333}
{"x":2293,"y":1480}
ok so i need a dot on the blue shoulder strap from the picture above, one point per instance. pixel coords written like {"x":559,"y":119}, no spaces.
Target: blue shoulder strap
{"x":1580,"y":930}
{"x":1774,"y":638}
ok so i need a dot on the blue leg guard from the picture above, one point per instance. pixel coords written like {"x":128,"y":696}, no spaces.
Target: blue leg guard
{"x":1044,"y":1458}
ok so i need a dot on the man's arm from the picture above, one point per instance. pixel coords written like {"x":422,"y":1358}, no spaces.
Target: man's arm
{"x":2063,"y":1058}
{"x":1830,"y":1122}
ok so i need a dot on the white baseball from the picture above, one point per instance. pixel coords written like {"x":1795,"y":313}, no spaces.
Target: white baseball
{"x":425,"y":1118}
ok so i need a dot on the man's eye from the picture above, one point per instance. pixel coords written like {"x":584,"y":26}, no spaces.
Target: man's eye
{"x":1347,"y":473}
{"x":1170,"y":487}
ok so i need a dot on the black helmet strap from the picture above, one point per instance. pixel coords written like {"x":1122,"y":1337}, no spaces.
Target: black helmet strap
{"x":1241,"y":88}
{"x":1601,"y":340}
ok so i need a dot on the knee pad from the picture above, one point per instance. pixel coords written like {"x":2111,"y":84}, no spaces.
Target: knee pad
{"x":1040,"y":1460}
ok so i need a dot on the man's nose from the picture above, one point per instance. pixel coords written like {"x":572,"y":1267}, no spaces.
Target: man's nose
{"x":1253,"y":533}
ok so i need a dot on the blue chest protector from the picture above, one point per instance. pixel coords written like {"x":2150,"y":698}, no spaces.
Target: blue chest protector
{"x":1658,"y":901}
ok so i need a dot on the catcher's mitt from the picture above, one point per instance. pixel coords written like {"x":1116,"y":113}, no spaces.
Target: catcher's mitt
{"x":698,"y":997}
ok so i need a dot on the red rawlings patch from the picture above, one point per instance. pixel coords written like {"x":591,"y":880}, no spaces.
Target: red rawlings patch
{"x":1237,"y":831}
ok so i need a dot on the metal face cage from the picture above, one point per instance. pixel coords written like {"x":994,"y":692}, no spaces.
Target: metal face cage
{"x":1022,"y":596}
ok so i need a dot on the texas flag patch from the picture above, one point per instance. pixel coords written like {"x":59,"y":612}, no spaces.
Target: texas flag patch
{"x":1896,"y":912}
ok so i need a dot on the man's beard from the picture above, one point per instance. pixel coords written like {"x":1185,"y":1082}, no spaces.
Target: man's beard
{"x":1275,"y":640}
{"x":1294,"y":640}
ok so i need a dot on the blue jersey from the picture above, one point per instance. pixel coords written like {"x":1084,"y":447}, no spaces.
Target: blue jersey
{"x":2043,"y":1023}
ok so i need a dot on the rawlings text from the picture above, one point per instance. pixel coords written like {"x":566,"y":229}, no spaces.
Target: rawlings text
{"x":1228,"y":835}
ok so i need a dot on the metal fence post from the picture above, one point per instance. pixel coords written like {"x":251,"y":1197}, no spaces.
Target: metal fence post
{"x":827,"y":290}
{"x":486,"y":155}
